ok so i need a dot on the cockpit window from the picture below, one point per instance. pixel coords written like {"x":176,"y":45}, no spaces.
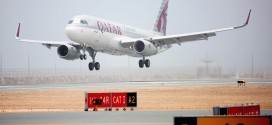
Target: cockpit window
{"x":70,"y":22}
{"x":83,"y":22}
{"x":77,"y":21}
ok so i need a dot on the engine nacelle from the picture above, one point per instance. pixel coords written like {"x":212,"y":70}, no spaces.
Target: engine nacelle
{"x":145,"y":48}
{"x":68,"y":52}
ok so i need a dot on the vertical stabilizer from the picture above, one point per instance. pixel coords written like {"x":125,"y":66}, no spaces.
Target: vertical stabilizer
{"x":161,"y":21}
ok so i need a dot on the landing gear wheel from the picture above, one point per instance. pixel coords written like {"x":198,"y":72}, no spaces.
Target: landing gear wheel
{"x":141,"y":63}
{"x":147,"y":63}
{"x":81,"y":57}
{"x":97,"y":66}
{"x":84,"y":56}
{"x":144,"y":62}
{"x":91,"y":66}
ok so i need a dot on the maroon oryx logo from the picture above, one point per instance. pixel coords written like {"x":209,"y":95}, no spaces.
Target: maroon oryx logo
{"x":163,"y":20}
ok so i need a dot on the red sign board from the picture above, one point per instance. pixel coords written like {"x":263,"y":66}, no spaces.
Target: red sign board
{"x":104,"y":96}
{"x":122,"y":99}
{"x":249,"y":109}
{"x":119,"y":99}
{"x":252,"y":110}
{"x":235,"y":110}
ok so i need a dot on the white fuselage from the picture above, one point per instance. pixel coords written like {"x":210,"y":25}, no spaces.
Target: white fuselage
{"x":105,"y":36}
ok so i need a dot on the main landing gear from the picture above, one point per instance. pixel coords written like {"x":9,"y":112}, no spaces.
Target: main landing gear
{"x":144,"y":62}
{"x":93,"y":65}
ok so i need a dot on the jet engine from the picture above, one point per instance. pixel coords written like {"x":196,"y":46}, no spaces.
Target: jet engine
{"x":145,"y":48}
{"x":68,"y":52}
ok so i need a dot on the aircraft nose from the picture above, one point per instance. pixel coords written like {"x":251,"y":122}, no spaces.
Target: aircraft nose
{"x":70,"y":32}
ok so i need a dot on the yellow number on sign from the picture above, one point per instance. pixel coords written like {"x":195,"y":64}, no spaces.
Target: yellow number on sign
{"x":131,"y":99}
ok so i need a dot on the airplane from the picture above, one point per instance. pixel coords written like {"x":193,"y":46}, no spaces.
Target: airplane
{"x":93,"y":34}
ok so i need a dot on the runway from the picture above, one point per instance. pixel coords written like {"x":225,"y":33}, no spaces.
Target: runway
{"x":123,"y":85}
{"x":101,"y":118}
{"x":98,"y":118}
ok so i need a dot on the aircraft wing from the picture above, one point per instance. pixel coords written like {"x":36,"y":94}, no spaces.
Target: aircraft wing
{"x":181,"y":38}
{"x":48,"y":44}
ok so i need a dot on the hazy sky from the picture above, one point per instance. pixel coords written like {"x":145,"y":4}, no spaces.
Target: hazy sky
{"x":46,"y":20}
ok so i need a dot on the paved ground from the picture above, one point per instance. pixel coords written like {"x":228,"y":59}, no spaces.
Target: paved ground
{"x":101,"y":118}
{"x":159,"y":118}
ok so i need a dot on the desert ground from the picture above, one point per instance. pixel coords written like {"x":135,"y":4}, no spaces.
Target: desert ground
{"x":149,"y":98}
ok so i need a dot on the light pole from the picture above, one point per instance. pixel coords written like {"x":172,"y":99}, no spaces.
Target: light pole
{"x":27,"y":77}
{"x":252,"y":66}
{"x":1,"y":67}
{"x":28,"y":72}
{"x":55,"y":66}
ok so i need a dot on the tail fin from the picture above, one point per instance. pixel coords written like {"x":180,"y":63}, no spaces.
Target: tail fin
{"x":161,"y":22}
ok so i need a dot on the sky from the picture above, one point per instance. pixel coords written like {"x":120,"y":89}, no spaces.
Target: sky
{"x":231,"y":50}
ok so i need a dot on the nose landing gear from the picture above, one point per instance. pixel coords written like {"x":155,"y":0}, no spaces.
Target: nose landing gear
{"x":84,"y":47}
{"x":83,"y":56}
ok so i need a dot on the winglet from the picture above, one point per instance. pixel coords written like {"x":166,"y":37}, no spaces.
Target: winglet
{"x":248,"y":17}
{"x":18,"y":32}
